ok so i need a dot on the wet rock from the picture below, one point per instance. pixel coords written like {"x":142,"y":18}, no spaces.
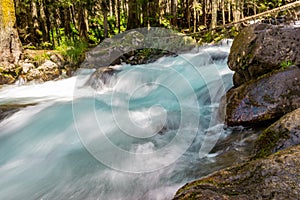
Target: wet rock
{"x":6,"y":79}
{"x":274,"y":177}
{"x":8,"y":110}
{"x":261,"y":48}
{"x":101,"y":77}
{"x":281,"y":135}
{"x":263,"y":100}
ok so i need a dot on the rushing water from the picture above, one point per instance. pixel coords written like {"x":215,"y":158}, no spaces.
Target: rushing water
{"x":141,"y":135}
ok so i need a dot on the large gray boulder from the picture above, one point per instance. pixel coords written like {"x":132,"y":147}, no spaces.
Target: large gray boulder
{"x":262,"y":48}
{"x":111,"y":50}
{"x":274,"y":177}
{"x":265,"y":99}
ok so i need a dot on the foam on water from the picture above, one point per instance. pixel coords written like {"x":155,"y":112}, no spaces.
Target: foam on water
{"x":67,"y":146}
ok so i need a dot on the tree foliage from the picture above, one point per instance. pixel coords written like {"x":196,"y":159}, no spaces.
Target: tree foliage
{"x":49,"y":23}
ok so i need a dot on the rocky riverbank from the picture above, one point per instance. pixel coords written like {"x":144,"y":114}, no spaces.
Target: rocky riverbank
{"x":266,"y":94}
{"x":38,"y":66}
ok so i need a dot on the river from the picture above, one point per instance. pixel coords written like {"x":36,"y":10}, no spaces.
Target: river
{"x":142,"y":135}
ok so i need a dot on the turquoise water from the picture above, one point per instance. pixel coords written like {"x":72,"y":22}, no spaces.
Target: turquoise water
{"x":141,"y":135}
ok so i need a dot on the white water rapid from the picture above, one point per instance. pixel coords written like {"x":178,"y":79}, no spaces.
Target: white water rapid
{"x":142,"y":135}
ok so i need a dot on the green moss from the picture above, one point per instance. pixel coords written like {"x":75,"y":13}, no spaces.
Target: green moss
{"x":286,"y":64}
{"x":204,"y":181}
{"x":267,"y":141}
{"x":40,"y":58}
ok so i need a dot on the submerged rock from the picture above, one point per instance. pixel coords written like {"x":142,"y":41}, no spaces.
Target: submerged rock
{"x":6,"y":79}
{"x":8,"y":110}
{"x":101,"y":77}
{"x":261,"y":48}
{"x":265,"y":99}
{"x":274,"y":177}
{"x":282,"y":134}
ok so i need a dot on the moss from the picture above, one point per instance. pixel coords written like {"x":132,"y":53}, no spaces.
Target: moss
{"x":39,"y":58}
{"x":204,"y":181}
{"x":286,"y":64}
{"x":266,"y":143}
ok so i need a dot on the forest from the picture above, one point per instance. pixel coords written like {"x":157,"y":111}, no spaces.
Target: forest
{"x":48,"y":24}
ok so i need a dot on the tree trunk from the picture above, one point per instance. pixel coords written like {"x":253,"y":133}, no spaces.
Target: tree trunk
{"x":204,"y":12}
{"x":132,"y":15}
{"x":229,"y":10}
{"x":10,"y":45}
{"x":223,"y":11}
{"x":145,"y":13}
{"x":236,"y":10}
{"x":118,"y":16}
{"x":45,"y":24}
{"x":174,"y":12}
{"x":154,"y":13}
{"x":195,"y":15}
{"x":214,"y":14}
{"x":82,"y":19}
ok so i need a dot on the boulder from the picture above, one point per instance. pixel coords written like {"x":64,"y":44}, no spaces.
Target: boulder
{"x":122,"y":47}
{"x":274,"y":177}
{"x":281,"y":135}
{"x":6,"y":79}
{"x":46,"y":72}
{"x":26,"y":67}
{"x":101,"y":77}
{"x":263,"y":100}
{"x":7,"y":68}
{"x":261,"y":48}
{"x":58,"y":59}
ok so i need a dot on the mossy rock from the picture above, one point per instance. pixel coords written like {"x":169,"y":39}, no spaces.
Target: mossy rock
{"x":6,"y":79}
{"x":112,"y":50}
{"x":261,"y":48}
{"x":274,"y":177}
{"x":282,"y":134}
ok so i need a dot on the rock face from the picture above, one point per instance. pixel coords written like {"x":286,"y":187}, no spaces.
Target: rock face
{"x":265,"y":99}
{"x":261,"y":48}
{"x":275,"y":177}
{"x":281,"y":135}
